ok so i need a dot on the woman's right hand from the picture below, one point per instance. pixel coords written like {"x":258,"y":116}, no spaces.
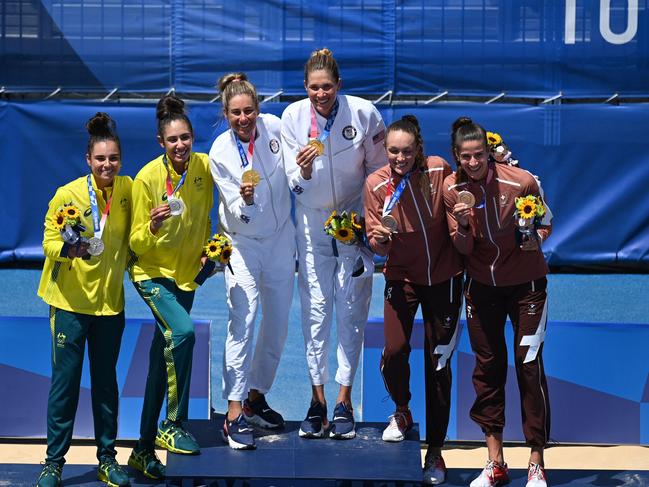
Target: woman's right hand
{"x":305,"y":159}
{"x":80,"y":250}
{"x":381,"y":234}
{"x":158,"y":215}
{"x":247,"y":192}
{"x":461,"y":213}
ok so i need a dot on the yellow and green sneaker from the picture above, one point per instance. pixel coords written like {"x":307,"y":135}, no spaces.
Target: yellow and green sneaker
{"x":146,"y":461}
{"x":174,"y":438}
{"x":112,"y":473}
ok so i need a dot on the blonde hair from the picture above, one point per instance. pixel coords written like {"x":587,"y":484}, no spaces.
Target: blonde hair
{"x":322,"y":59}
{"x":233,"y":84}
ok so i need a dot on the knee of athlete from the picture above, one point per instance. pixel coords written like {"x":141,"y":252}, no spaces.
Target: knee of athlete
{"x":397,"y":352}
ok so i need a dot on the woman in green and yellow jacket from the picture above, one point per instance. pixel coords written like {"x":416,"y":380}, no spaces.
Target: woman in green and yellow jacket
{"x":172,"y":198}
{"x":82,"y":281}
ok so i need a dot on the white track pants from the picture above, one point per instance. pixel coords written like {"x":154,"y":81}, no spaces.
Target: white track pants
{"x":325,"y":279}
{"x":264,"y":271}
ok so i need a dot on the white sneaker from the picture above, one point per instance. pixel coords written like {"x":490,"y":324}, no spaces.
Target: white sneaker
{"x":434,"y":471}
{"x":493,"y":474}
{"x":400,"y":423}
{"x":536,"y":476}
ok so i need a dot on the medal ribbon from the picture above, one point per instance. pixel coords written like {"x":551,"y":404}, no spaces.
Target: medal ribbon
{"x":392,"y":198}
{"x":327,"y":129}
{"x":170,"y":190}
{"x":97,"y":224}
{"x":245,"y":160}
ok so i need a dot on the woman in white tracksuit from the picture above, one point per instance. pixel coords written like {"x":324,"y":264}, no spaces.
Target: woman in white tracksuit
{"x":326,"y":178}
{"x":254,"y":211}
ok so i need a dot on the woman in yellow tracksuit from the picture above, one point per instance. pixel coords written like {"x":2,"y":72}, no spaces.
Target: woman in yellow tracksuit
{"x":172,"y":198}
{"x":86,"y":297}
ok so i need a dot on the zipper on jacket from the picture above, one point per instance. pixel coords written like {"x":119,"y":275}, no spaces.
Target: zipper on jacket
{"x":423,"y":229}
{"x":486,"y":214}
{"x":451,"y":290}
{"x":497,"y":213}
{"x":331,"y":175}
{"x":270,"y":191}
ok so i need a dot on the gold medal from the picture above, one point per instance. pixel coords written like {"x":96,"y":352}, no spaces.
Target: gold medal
{"x":389,"y":222}
{"x":319,"y":146}
{"x":250,"y":176}
{"x":467,"y":198}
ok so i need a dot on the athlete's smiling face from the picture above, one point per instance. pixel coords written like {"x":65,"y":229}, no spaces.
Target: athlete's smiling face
{"x":242,"y":116}
{"x":322,"y":89}
{"x":105,"y":162}
{"x":473,"y":157}
{"x":401,"y":148}
{"x":177,"y":141}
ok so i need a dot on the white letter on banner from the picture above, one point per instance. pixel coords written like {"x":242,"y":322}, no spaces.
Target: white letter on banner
{"x":571,"y":16}
{"x":605,"y":22}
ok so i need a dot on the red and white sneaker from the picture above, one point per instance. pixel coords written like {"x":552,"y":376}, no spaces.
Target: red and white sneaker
{"x":493,"y":474}
{"x":400,"y":423}
{"x":434,"y":470}
{"x":536,"y":476}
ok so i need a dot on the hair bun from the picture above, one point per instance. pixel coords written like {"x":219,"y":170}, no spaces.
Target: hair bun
{"x":411,"y":119}
{"x":322,"y":52}
{"x":101,"y":125}
{"x":460,"y":122}
{"x":230,"y":78}
{"x":169,"y":105}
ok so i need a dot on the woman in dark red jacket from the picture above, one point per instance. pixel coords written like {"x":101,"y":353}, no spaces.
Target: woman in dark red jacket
{"x":406,"y":220}
{"x":505,"y":277}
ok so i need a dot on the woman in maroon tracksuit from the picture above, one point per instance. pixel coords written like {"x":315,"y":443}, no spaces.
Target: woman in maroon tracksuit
{"x":406,"y":220}
{"x":505,"y":277}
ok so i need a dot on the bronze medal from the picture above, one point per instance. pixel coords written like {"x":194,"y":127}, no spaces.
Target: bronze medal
{"x":467,"y":198}
{"x":389,"y":222}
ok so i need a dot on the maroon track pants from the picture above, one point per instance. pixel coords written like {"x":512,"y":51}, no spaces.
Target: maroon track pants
{"x":487,"y":308}
{"x":440,"y":305}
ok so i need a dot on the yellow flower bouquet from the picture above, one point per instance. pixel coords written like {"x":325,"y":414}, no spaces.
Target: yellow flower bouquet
{"x":493,"y":139}
{"x":528,"y":214}
{"x":218,"y":250}
{"x":344,"y":227}
{"x":66,"y":215}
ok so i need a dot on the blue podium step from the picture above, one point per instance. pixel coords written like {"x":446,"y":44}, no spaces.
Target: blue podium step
{"x":284,"y":455}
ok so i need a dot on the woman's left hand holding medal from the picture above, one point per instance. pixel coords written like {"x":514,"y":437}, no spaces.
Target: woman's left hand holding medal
{"x":305,"y":159}
{"x":158,"y":215}
{"x":247,"y":192}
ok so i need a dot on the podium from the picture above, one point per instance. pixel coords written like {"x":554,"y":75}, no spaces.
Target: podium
{"x":283,"y":455}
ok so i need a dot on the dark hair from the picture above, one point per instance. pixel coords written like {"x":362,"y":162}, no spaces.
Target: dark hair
{"x":322,"y":59}
{"x":100,"y":128}
{"x":233,"y":84}
{"x":410,"y":125}
{"x":169,"y":109}
{"x":464,"y":129}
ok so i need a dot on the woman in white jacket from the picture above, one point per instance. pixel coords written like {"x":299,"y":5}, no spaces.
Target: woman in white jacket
{"x":254,"y":211}
{"x":331,"y":143}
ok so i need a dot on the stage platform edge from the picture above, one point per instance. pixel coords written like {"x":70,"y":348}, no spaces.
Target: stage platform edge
{"x":284,"y":455}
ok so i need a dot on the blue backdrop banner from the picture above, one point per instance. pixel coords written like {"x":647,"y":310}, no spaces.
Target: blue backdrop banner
{"x":593,"y":162}
{"x":522,"y":47}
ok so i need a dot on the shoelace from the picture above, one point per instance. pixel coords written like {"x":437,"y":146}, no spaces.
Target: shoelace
{"x":179,"y":430}
{"x":50,"y":469}
{"x":398,"y":420}
{"x":535,"y":472}
{"x":110,"y":464}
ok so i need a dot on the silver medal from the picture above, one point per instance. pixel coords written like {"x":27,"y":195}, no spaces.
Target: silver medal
{"x":176,"y":206}
{"x":95,"y":246}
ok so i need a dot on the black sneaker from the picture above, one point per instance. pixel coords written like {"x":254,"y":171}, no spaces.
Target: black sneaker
{"x":50,"y":475}
{"x":343,"y":427}
{"x":313,"y":424}
{"x":259,"y":413}
{"x":238,"y":434}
